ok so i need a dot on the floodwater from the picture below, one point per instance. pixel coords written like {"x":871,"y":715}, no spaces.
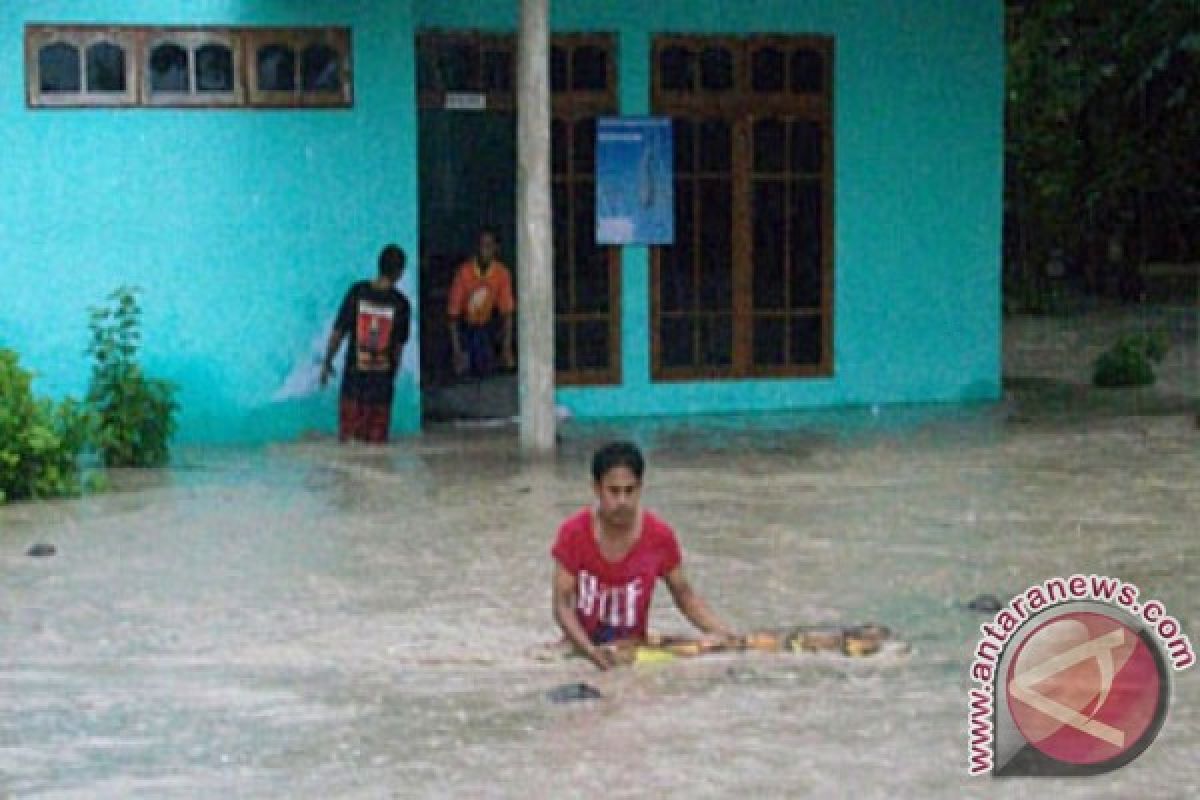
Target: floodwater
{"x":309,"y":620}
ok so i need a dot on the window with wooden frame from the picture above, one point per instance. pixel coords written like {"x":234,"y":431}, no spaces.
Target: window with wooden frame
{"x":587,"y":291}
{"x":466,"y":69}
{"x":79,"y":66}
{"x":746,"y":289}
{"x":298,"y":67}
{"x":477,"y":71}
{"x":120,"y":66}
{"x":193,"y":68}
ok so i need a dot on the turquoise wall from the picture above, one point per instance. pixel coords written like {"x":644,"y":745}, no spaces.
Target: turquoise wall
{"x":242,"y":227}
{"x":918,"y":102}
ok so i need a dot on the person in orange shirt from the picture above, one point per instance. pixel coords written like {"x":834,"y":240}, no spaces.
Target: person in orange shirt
{"x":481,"y":292}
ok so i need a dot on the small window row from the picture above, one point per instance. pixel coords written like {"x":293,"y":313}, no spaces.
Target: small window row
{"x":689,"y":65}
{"x":106,"y":66}
{"x":458,"y":62}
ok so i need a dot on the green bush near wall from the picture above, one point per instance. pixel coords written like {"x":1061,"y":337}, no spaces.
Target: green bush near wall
{"x":128,"y":417}
{"x":40,"y":440}
{"x":133,"y":415}
{"x":1130,"y":361}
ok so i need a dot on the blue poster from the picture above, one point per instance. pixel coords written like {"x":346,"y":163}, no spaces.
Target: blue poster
{"x":634,"y":191}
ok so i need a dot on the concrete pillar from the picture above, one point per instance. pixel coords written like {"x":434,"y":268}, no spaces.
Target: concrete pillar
{"x":535,"y":240}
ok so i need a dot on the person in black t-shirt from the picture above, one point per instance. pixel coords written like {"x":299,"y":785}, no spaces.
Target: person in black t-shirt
{"x":376,"y":318}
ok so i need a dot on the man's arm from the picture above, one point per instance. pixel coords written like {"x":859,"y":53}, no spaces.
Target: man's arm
{"x":400,"y":330}
{"x":563,"y":598}
{"x":692,"y":605}
{"x":335,"y":341}
{"x":342,"y":324}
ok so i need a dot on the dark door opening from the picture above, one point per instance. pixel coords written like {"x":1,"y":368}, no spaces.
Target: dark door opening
{"x":468,"y":182}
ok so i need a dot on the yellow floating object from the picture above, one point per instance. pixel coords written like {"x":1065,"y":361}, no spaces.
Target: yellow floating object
{"x":652,"y":655}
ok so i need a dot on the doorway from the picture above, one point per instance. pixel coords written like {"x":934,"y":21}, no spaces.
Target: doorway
{"x":467,"y":174}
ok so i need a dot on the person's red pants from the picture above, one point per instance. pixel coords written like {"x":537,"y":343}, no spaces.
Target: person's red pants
{"x":365,"y":422}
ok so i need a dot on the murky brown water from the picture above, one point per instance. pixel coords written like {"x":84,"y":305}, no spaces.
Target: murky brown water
{"x":317,"y":621}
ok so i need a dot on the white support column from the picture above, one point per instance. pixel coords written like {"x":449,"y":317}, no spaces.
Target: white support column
{"x":535,"y":240}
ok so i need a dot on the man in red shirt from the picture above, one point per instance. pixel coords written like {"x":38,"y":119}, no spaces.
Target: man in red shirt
{"x":610,"y":556}
{"x":480,"y":295}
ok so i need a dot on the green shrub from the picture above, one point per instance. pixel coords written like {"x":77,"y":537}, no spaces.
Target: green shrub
{"x":133,"y":415}
{"x":40,"y":440}
{"x":1130,"y":361}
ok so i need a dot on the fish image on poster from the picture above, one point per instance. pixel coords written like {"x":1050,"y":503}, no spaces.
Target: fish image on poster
{"x":634,"y":182}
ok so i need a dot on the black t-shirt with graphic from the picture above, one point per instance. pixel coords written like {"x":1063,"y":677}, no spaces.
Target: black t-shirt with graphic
{"x":377,"y":322}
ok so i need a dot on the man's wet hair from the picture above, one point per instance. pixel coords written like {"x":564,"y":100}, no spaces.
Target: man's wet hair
{"x":488,"y":230}
{"x":618,"y":454}
{"x":391,"y":261}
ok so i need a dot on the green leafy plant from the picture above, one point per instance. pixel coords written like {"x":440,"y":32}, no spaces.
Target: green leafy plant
{"x":40,"y":440}
{"x":134,"y":416}
{"x":1130,"y":361}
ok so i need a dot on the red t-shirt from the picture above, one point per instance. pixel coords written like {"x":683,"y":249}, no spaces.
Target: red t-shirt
{"x":613,"y":597}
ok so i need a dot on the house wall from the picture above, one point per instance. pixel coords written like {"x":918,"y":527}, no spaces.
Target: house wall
{"x":918,"y":127}
{"x":242,"y":227}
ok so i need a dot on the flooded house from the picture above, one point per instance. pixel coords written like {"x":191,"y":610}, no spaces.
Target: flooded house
{"x":832,"y":173}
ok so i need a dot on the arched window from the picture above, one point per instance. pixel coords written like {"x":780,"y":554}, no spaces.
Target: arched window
{"x":808,"y":72}
{"x":716,"y":69}
{"x":321,"y":69}
{"x":676,"y":69}
{"x":589,"y":69}
{"x":768,"y":70}
{"x":214,"y":68}
{"x":59,"y":68}
{"x":276,"y":68}
{"x":168,"y":68}
{"x":111,"y":65}
{"x":188,"y":67}
{"x":106,"y":67}
{"x":301,"y":67}
{"x":80,"y":66}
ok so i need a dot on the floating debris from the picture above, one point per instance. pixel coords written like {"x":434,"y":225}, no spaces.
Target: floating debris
{"x":572,"y":692}
{"x":988,"y":603}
